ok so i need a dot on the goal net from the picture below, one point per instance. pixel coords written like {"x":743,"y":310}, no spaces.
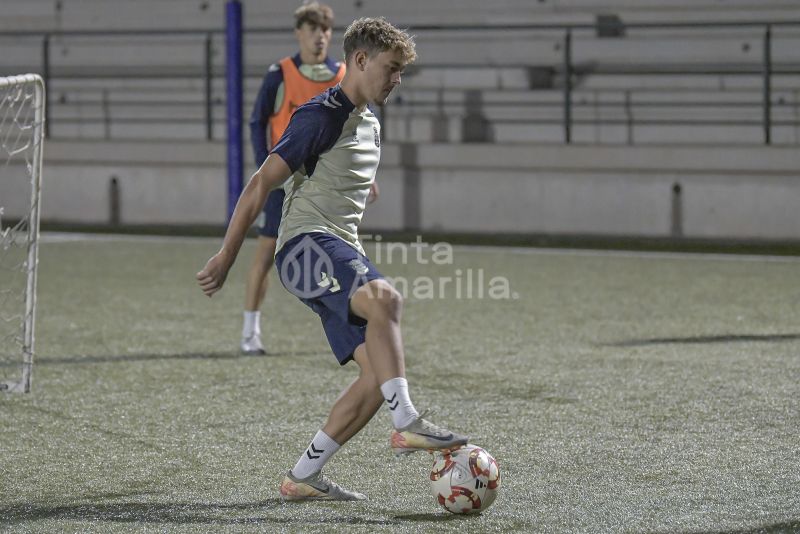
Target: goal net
{"x":21,"y":141}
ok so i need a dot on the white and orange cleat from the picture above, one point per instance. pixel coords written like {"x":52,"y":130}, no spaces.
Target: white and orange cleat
{"x":316,"y":487}
{"x":422,"y":435}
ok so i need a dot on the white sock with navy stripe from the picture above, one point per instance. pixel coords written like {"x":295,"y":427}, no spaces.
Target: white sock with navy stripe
{"x":395,"y":392}
{"x":320,"y":450}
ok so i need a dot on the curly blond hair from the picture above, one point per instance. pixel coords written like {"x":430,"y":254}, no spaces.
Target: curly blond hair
{"x":376,"y":35}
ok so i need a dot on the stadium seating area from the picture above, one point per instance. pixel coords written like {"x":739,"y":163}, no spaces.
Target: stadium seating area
{"x":696,"y":87}
{"x":102,"y":14}
{"x":649,"y":85}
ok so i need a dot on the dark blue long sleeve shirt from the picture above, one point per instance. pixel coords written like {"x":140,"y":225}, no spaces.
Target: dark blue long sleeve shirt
{"x":264,"y":106}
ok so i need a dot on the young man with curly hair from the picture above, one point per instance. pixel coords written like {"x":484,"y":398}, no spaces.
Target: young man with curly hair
{"x":331,"y":148}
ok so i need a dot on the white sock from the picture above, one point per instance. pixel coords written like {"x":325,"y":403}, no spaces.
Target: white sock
{"x":252,"y":323}
{"x":395,"y":392}
{"x":320,"y":450}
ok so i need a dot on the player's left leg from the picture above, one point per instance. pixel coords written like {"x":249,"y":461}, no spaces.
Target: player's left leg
{"x":350,"y":413}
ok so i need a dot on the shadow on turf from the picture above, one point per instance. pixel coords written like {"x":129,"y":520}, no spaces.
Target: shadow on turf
{"x":439,"y":517}
{"x":788,"y":527}
{"x":179,"y":513}
{"x":775,"y":338}
{"x":150,"y":357}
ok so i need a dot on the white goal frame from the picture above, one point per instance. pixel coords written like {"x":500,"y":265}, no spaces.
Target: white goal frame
{"x":32,"y":262}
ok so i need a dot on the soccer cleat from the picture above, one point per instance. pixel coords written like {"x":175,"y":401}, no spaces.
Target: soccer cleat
{"x":252,"y":346}
{"x":422,"y":435}
{"x":316,"y":487}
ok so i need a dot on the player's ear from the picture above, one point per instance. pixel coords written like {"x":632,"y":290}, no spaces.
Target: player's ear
{"x":361,"y":60}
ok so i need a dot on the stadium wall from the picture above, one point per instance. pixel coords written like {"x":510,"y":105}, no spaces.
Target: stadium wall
{"x":724,"y":192}
{"x":120,"y":14}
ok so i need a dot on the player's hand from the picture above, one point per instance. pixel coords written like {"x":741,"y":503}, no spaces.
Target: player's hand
{"x":213,"y":274}
{"x":374,"y":193}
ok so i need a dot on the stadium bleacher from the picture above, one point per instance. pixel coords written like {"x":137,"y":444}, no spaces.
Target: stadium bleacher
{"x":107,"y":85}
{"x":653,"y":86}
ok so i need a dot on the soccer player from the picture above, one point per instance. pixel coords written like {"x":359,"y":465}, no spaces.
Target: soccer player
{"x":331,"y":148}
{"x":289,"y":83}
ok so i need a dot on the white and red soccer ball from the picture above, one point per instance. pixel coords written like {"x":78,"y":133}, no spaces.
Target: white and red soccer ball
{"x":465,"y":480}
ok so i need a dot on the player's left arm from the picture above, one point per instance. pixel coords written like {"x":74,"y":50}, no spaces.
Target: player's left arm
{"x":270,"y":175}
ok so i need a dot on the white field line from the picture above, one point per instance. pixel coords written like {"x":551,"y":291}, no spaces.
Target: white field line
{"x":65,"y":237}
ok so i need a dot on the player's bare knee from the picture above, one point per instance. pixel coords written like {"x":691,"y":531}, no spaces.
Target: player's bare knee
{"x":387,"y":301}
{"x":377,"y":300}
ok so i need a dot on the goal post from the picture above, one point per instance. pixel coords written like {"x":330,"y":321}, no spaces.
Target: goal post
{"x":22,"y":102}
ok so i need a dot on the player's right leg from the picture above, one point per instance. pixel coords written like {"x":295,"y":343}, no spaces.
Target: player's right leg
{"x":257,"y":277}
{"x":381,"y":306}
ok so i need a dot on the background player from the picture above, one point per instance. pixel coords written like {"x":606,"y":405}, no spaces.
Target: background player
{"x":288,"y":84}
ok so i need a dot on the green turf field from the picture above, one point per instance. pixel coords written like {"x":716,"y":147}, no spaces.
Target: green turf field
{"x":619,"y":393}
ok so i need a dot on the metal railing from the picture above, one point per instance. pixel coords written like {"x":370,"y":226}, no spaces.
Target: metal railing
{"x":567,"y":68}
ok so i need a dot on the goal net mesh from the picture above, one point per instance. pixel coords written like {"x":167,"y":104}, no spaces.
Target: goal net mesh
{"x":21,"y":140}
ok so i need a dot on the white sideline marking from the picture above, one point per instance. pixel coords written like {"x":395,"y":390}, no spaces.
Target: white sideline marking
{"x":644,"y":254}
{"x":69,"y":237}
{"x":65,"y":237}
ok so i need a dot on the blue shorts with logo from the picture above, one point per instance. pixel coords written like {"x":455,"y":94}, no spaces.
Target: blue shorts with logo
{"x":323,"y":271}
{"x":273,"y":209}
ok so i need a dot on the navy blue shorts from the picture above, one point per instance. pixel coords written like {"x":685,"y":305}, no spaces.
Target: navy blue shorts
{"x":324,"y":271}
{"x":273,"y":208}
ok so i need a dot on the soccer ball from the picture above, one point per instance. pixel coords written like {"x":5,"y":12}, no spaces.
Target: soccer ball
{"x":466,"y":480}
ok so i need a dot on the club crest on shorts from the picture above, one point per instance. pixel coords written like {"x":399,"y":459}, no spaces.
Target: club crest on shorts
{"x":358,"y":266}
{"x":377,"y":136}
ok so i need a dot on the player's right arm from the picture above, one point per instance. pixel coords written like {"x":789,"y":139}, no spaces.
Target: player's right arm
{"x":263,"y":108}
{"x":309,"y":133}
{"x":270,"y":175}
